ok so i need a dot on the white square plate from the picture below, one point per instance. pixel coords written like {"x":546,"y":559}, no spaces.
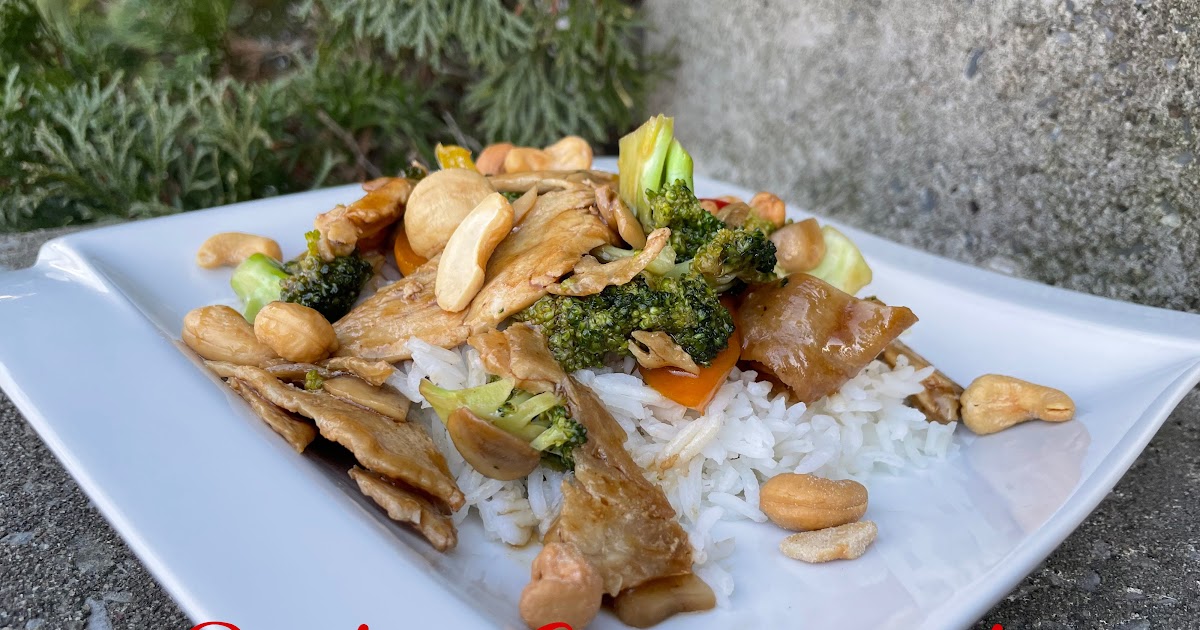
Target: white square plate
{"x":239,"y":528}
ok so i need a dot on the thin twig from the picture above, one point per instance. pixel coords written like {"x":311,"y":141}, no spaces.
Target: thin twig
{"x":348,"y":139}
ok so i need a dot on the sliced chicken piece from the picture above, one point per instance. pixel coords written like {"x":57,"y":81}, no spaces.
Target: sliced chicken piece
{"x":546,"y":181}
{"x":373,"y":372}
{"x":342,"y":227}
{"x":519,"y":353}
{"x":620,"y":521}
{"x":618,"y":216}
{"x":939,"y":401}
{"x":384,"y":400}
{"x":380,"y":327}
{"x":813,"y":337}
{"x":295,"y":431}
{"x":400,"y":450}
{"x":555,"y":234}
{"x":406,"y":506}
{"x":591,"y":279}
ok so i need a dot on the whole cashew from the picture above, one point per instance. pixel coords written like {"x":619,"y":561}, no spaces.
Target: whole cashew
{"x":219,"y":333}
{"x":565,"y":587}
{"x":229,"y":249}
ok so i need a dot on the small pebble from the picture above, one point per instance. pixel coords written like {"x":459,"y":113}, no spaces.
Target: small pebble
{"x":98,"y":618}
{"x":1089,"y":582}
{"x":16,"y":539}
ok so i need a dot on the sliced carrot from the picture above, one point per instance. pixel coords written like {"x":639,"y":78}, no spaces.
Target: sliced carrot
{"x":407,"y":260}
{"x":372,"y":242}
{"x":695,"y":391}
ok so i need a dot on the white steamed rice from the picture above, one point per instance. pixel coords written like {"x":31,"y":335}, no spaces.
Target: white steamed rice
{"x":712,"y":466}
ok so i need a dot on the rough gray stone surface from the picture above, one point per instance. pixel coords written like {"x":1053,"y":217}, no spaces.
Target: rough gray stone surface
{"x":1053,"y":139}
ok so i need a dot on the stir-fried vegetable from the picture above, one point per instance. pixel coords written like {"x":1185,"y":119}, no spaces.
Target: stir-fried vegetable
{"x":541,"y":420}
{"x":329,"y":287}
{"x":843,"y":265}
{"x":649,"y":157}
{"x":453,"y":156}
{"x":407,"y":260}
{"x":580,"y":331}
{"x":695,"y":391}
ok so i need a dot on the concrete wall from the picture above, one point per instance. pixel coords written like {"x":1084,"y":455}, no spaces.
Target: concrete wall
{"x":1053,"y":139}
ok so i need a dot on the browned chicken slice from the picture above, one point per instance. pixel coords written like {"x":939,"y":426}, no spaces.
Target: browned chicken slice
{"x":813,"y":337}
{"x":620,"y":521}
{"x":380,"y":327}
{"x":295,"y":431}
{"x":520,"y":353}
{"x":400,"y":450}
{"x":384,"y":400}
{"x":405,"y":506}
{"x":342,"y":227}
{"x":939,"y":401}
{"x":555,"y":234}
{"x":373,"y":372}
{"x":546,"y":181}
{"x":592,"y":278}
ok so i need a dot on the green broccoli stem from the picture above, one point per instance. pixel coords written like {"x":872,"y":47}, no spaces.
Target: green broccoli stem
{"x":258,"y":282}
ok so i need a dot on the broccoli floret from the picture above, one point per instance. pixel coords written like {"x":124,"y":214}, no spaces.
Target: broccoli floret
{"x":580,"y":331}
{"x":540,"y":419}
{"x":647,"y":158}
{"x":755,"y":222}
{"x":732,"y":255}
{"x":558,"y":442}
{"x":328,"y":286}
{"x":674,"y":206}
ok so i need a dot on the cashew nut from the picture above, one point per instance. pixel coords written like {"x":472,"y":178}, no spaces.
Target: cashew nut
{"x":769,"y":207}
{"x":652,"y":602}
{"x":524,"y":204}
{"x":993,"y":403}
{"x":806,"y":502}
{"x":296,"y":332}
{"x":219,"y":333}
{"x":491,"y":159}
{"x":564,"y":587}
{"x":438,"y":204}
{"x":844,"y":542}
{"x":229,"y":249}
{"x":799,"y":246}
{"x":463,"y":265}
{"x":524,"y":159}
{"x":570,"y":154}
{"x":494,"y":452}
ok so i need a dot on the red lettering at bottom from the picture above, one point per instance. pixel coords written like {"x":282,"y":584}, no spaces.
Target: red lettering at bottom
{"x":557,"y":625}
{"x":221,"y":624}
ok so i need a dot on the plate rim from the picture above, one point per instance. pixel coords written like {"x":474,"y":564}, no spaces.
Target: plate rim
{"x":67,"y":254}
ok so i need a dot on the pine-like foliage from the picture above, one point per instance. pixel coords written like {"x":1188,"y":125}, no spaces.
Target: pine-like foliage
{"x":135,"y":108}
